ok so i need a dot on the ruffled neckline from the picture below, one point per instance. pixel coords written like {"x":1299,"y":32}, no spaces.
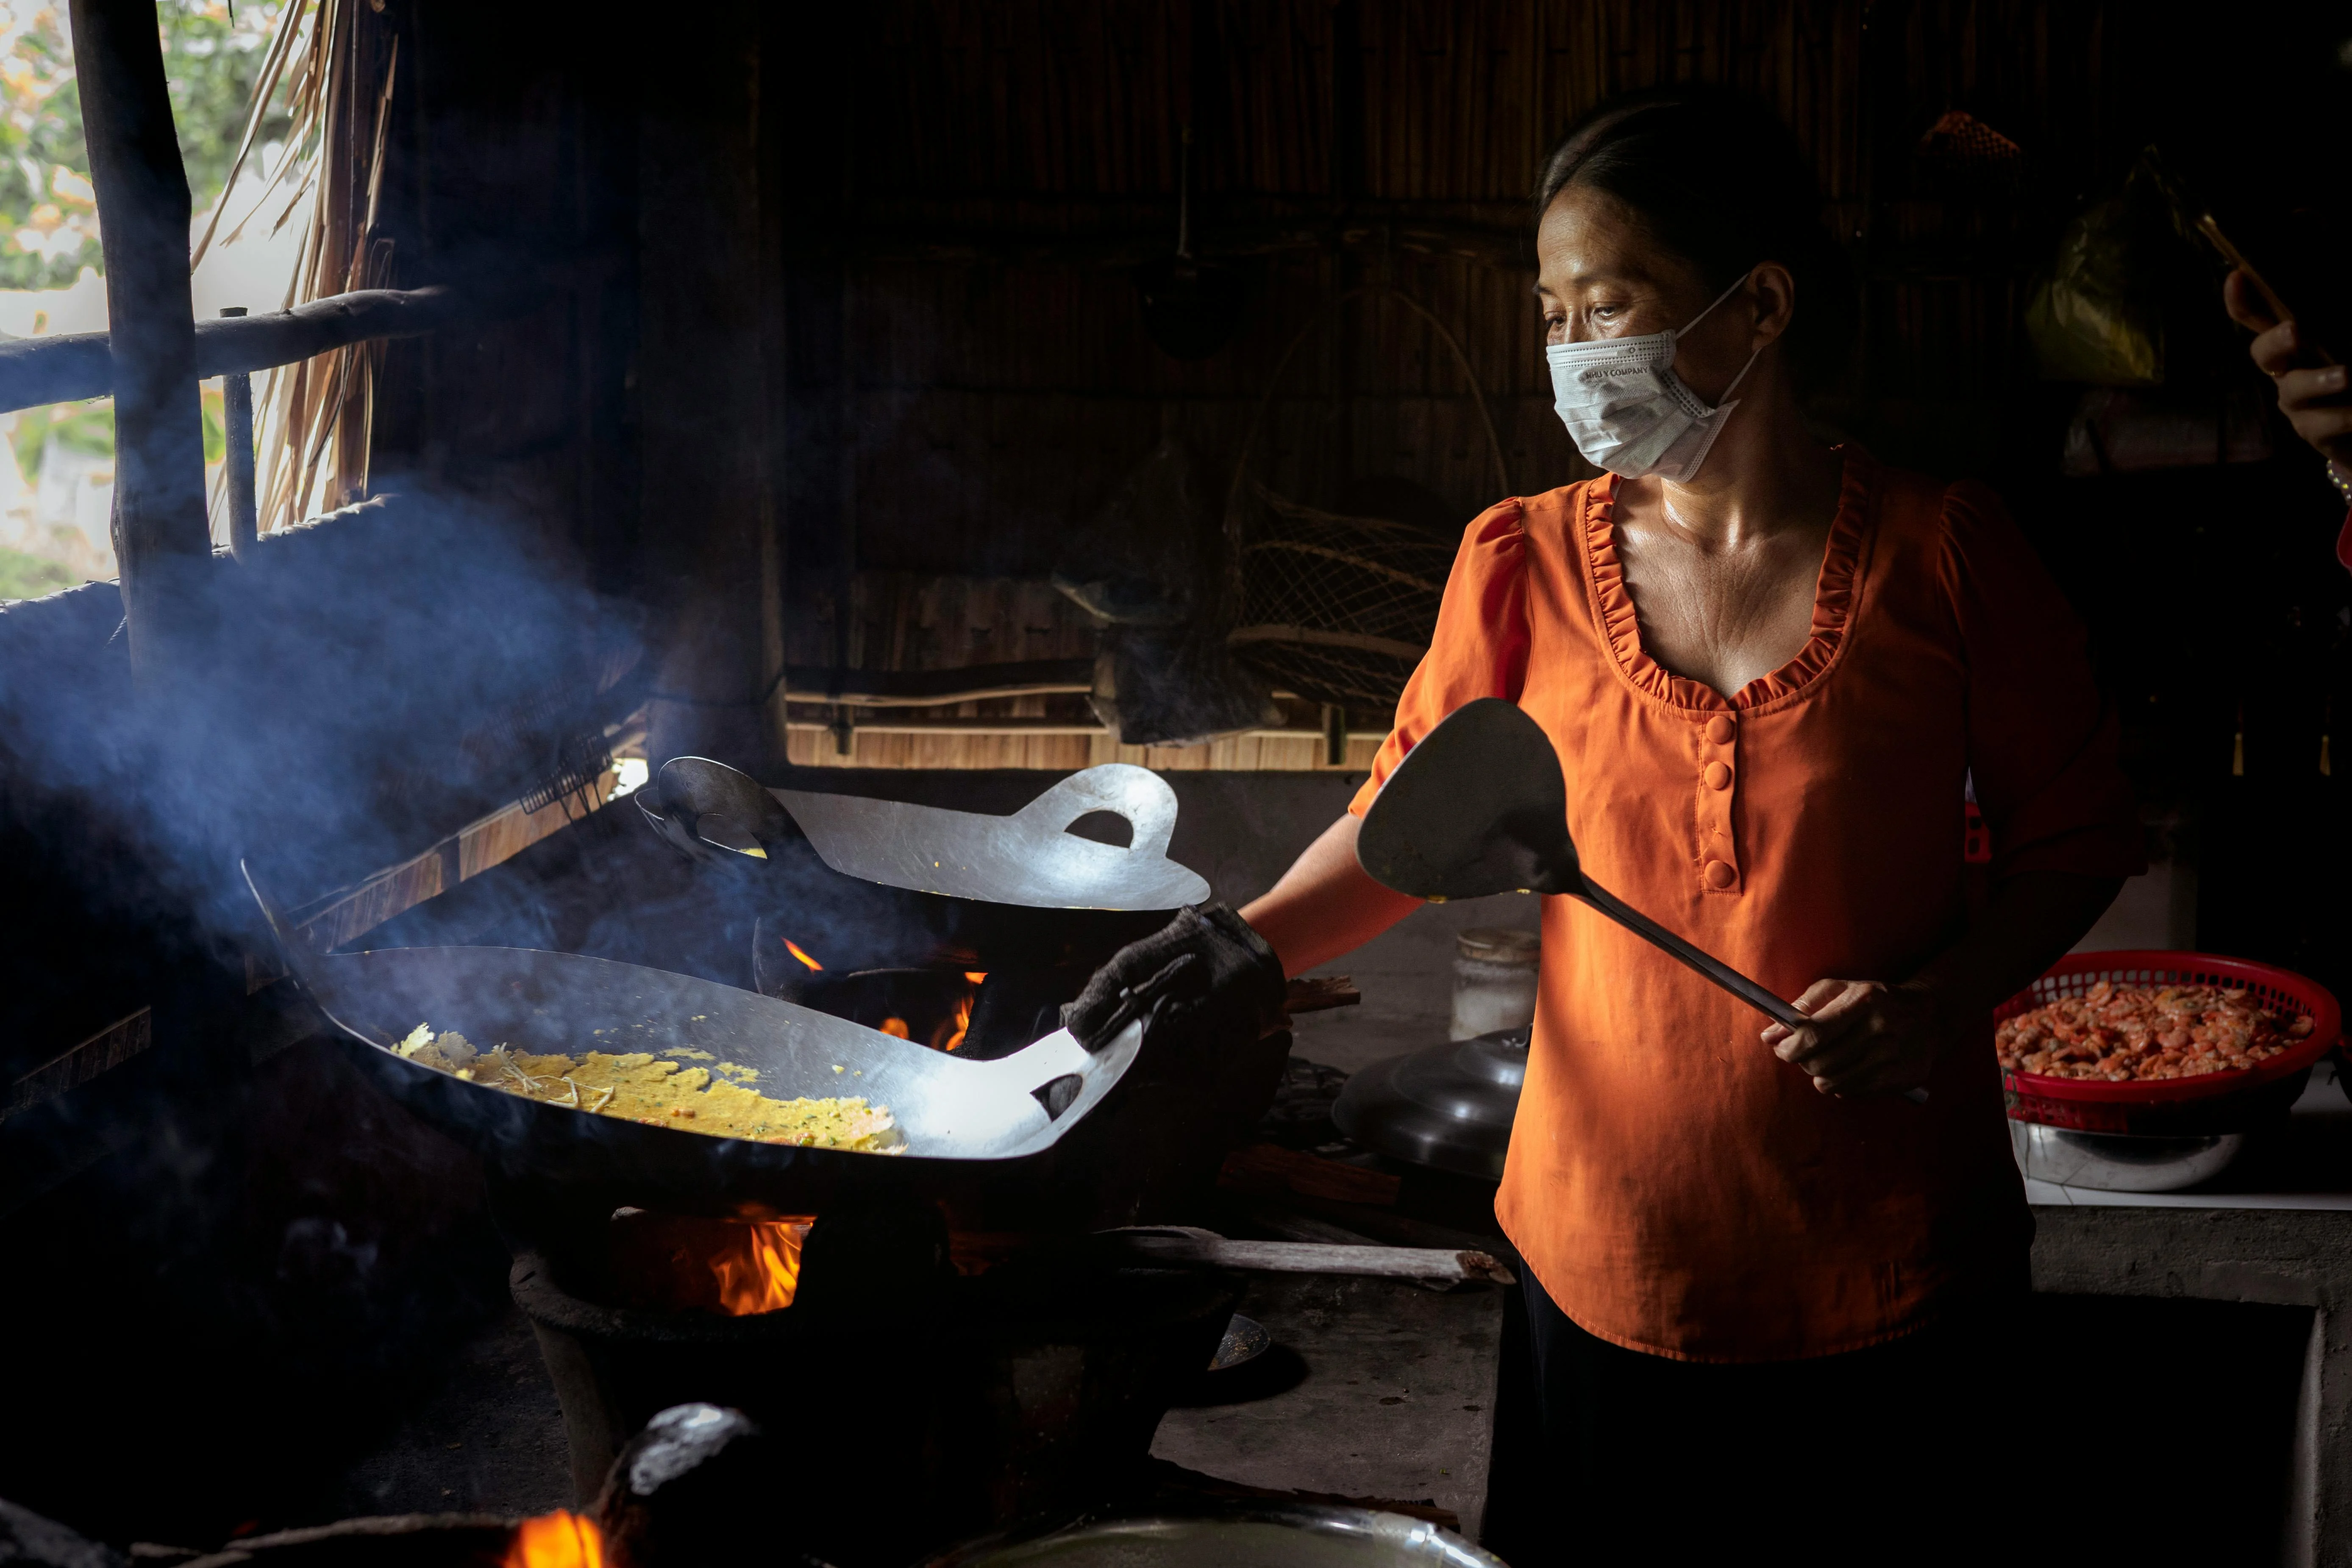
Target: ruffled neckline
{"x":1834,"y":596}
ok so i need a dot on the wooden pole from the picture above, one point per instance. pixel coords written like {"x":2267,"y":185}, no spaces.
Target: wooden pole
{"x":160,"y":538}
{"x":702,"y":398}
{"x":75,"y":366}
{"x":236,"y":465}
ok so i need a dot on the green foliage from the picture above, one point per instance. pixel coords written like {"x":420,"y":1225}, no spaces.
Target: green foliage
{"x":49,"y":220}
{"x":213,"y":56}
{"x":86,"y":427}
{"x":24,"y":576}
{"x":215,"y":411}
{"x":40,"y":140}
{"x":30,"y":437}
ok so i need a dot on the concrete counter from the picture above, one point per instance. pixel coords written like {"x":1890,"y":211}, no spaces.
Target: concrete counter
{"x":2274,"y":1230}
{"x":1392,"y":1394}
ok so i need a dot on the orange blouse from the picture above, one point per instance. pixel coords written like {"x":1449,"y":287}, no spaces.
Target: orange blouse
{"x":1674,"y":1186}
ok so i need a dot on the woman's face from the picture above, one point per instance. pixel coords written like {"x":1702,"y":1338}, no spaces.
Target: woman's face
{"x":1599,"y":275}
{"x":1602,"y":277}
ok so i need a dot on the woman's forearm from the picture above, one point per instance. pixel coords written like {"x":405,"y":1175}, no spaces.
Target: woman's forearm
{"x":2032,"y":919}
{"x":1324,"y":904}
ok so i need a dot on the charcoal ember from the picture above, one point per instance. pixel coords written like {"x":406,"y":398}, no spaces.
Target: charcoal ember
{"x":29,"y":1541}
{"x":692,"y":1488}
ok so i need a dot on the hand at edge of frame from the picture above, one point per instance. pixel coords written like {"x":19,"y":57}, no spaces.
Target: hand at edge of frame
{"x":2311,"y":392}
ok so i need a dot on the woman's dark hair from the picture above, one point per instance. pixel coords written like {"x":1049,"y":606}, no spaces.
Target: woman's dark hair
{"x":1717,"y":179}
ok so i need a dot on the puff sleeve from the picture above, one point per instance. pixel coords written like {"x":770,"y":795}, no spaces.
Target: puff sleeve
{"x":1480,"y":646}
{"x":2043,"y":742}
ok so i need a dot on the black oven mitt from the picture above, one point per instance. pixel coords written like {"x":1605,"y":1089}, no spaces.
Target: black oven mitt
{"x":1205,"y":968}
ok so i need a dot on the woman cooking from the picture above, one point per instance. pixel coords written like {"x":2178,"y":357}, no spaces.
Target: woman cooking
{"x":1755,"y":1275}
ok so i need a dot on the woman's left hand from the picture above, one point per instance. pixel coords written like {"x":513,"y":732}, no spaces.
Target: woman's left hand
{"x":1868,"y":1036}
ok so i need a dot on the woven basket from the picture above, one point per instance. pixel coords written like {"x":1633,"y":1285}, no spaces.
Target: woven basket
{"x":1337,"y":609}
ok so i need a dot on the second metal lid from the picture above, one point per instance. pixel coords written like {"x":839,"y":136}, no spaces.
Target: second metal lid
{"x":1448,"y":1106}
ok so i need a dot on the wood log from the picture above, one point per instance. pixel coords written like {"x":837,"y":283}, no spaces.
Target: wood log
{"x":385,"y":1541}
{"x":35,"y":372}
{"x":161,"y":541}
{"x":1177,"y":1244}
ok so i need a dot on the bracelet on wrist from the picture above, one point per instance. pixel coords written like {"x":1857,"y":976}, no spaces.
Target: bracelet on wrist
{"x":2341,"y":479}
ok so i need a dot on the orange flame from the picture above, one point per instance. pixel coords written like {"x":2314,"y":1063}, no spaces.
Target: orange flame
{"x":794,"y":949}
{"x":762,"y":1274}
{"x":558,"y":1540}
{"x":896,"y":1029}
{"x":681,"y":1263}
{"x":975,"y":975}
{"x":952,"y":1031}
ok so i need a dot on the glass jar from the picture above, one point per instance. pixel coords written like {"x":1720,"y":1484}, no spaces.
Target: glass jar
{"x":1494,"y":980}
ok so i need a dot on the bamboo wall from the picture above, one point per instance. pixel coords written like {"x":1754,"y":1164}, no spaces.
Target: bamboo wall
{"x":913,"y":621}
{"x":1008,"y":165}
{"x":936,"y":304}
{"x":1013,"y":163}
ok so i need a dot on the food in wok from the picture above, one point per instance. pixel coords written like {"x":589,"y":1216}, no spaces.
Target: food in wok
{"x":661,"y":1091}
{"x":2125,"y":1033}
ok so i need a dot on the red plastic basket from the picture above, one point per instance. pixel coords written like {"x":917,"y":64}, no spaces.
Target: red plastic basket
{"x":2209,"y":1102}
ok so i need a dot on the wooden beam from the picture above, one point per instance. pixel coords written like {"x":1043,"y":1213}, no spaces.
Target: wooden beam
{"x":938,"y":687}
{"x":1020,"y":724}
{"x":110,"y":1048}
{"x":35,"y":372}
{"x":330,"y":921}
{"x":160,"y":538}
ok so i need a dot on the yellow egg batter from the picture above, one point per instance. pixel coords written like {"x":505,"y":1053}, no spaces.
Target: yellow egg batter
{"x":662,"y":1093}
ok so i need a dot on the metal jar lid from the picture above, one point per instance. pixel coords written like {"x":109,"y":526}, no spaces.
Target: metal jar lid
{"x":1499,"y":945}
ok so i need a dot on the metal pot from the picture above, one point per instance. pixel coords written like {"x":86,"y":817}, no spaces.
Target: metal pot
{"x":2121,"y":1161}
{"x":1231,"y":1535}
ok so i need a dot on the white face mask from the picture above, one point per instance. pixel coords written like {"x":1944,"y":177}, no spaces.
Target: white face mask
{"x":1627,"y":410}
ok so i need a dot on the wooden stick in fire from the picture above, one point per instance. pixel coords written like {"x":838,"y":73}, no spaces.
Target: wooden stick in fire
{"x":1183,"y":1244}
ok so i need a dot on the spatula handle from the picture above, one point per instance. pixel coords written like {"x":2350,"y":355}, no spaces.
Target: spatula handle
{"x":1706,"y":963}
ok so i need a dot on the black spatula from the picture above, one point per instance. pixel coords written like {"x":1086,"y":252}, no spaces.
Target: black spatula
{"x":1479,"y":807}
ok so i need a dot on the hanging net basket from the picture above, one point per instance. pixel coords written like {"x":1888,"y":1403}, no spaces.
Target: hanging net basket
{"x":1335,"y":609}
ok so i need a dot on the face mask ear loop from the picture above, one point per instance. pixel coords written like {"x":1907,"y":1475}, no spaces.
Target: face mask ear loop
{"x":1703,"y":315}
{"x":1740,"y":377}
{"x":1719,"y":299}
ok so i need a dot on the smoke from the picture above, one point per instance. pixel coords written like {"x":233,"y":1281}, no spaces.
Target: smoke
{"x":378,"y":680}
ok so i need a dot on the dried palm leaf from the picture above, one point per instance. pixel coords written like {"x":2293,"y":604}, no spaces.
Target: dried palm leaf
{"x":346,"y":56}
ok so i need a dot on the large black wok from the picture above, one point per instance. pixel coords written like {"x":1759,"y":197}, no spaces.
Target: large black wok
{"x":962,"y":1119}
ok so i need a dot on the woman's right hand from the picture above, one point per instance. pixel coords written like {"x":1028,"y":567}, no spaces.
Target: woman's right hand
{"x":2311,"y":392}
